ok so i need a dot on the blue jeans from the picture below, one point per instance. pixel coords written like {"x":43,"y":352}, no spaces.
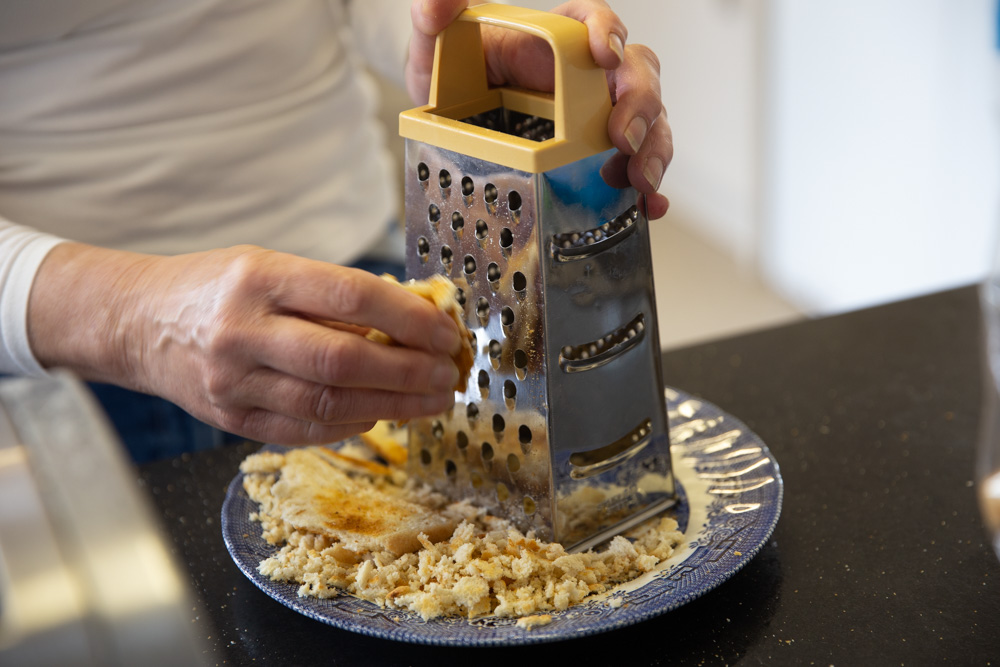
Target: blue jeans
{"x":152,"y":428}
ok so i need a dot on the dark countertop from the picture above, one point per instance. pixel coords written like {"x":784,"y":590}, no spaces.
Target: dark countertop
{"x":879,"y":556}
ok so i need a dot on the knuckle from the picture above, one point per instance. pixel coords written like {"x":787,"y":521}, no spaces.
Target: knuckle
{"x":218,"y":385}
{"x":647,"y":56}
{"x":347,"y":296}
{"x":245,"y":265}
{"x":413,"y":376}
{"x":328,"y":406}
{"x":233,"y":421}
{"x":335,"y":362}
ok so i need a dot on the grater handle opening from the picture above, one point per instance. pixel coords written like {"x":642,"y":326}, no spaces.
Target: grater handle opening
{"x":579,"y":106}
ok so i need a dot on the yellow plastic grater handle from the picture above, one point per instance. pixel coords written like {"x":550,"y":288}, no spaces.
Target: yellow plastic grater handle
{"x":579,"y":107}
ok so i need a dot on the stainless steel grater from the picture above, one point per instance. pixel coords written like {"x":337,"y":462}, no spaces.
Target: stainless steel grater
{"x":562,"y":427}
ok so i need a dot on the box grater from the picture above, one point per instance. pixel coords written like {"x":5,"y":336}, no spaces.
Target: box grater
{"x":562,"y":427}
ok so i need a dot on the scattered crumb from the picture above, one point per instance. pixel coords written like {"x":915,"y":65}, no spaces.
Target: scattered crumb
{"x":535,"y":621}
{"x":486,"y":567}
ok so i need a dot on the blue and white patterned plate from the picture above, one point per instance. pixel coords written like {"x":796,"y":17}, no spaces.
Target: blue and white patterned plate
{"x":730,"y":499}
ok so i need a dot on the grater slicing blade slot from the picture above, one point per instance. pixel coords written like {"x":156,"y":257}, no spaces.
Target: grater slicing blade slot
{"x":594,"y":354}
{"x":573,"y":246}
{"x":596,"y":461}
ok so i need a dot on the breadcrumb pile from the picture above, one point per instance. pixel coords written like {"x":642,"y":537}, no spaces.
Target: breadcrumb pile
{"x":487,"y":567}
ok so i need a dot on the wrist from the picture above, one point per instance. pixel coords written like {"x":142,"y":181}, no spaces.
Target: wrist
{"x":85,"y":312}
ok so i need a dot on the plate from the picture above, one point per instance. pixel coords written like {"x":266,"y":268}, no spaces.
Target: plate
{"x":730,"y":492}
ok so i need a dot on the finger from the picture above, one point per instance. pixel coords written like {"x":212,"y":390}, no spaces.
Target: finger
{"x":615,"y":173}
{"x":282,"y":394}
{"x":646,"y":167}
{"x":429,"y":17}
{"x":265,"y":426}
{"x":332,"y":357}
{"x":329,"y":292}
{"x":637,"y":99}
{"x":606,"y":32}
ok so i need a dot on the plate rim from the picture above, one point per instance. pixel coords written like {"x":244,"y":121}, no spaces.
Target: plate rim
{"x":506,"y":633}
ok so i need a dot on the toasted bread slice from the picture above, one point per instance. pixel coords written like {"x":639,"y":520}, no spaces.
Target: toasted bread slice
{"x":316,"y":496}
{"x":440,"y":291}
{"x":383,"y":442}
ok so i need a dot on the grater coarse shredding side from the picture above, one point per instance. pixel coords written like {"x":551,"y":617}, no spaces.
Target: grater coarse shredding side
{"x":562,"y":427}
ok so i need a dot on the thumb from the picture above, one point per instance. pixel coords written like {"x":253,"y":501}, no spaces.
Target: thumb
{"x":429,"y":17}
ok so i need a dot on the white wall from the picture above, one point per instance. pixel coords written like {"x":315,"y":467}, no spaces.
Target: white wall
{"x":881,"y":150}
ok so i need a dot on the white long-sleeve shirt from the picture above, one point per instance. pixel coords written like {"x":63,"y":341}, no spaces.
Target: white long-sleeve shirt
{"x":170,"y":126}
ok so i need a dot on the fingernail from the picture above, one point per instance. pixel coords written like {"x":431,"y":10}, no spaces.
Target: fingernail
{"x":636,"y":132}
{"x":444,"y":377}
{"x":617,"y":45}
{"x":653,"y":171}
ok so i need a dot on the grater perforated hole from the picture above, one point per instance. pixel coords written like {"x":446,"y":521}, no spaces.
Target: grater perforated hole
{"x":496,"y":349}
{"x":433,"y":214}
{"x":493,"y":275}
{"x":437,"y":429}
{"x":514,"y":204}
{"x":472,"y":412}
{"x":490,"y":194}
{"x":486,"y":451}
{"x":423,"y":173}
{"x":423,"y":248}
{"x":425,"y":457}
{"x":506,"y":241}
{"x":507,"y":320}
{"x":503,"y":493}
{"x":483,"y":310}
{"x":520,"y":364}
{"x":450,"y":468}
{"x":460,"y":296}
{"x":444,"y":179}
{"x":470,"y":265}
{"x":524,"y":434}
{"x":468,"y":187}
{"x":498,"y":424}
{"x":461,"y":440}
{"x":520,"y":285}
{"x":509,"y":393}
{"x":482,"y":230}
{"x":513,"y":463}
{"x":446,"y":257}
{"x":484,"y":384}
{"x":475,"y":479}
{"x":529,"y":505}
{"x":457,"y":223}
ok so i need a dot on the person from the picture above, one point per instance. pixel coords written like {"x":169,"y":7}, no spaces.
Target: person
{"x":184,"y":186}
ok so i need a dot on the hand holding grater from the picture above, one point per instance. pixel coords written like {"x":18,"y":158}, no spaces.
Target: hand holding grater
{"x":562,"y":428}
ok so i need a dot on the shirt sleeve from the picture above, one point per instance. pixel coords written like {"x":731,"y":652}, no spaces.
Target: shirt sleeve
{"x":22,"y":251}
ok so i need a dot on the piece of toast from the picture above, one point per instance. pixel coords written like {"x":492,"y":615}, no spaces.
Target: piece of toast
{"x":316,"y":496}
{"x":440,"y":291}
{"x":383,"y":441}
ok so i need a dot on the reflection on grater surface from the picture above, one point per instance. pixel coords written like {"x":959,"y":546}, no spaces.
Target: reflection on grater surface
{"x":562,"y":428}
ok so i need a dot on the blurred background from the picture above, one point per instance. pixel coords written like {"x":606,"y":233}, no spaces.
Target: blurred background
{"x":828,"y":155}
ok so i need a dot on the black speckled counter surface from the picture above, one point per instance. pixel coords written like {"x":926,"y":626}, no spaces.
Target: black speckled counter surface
{"x":879,"y":556}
